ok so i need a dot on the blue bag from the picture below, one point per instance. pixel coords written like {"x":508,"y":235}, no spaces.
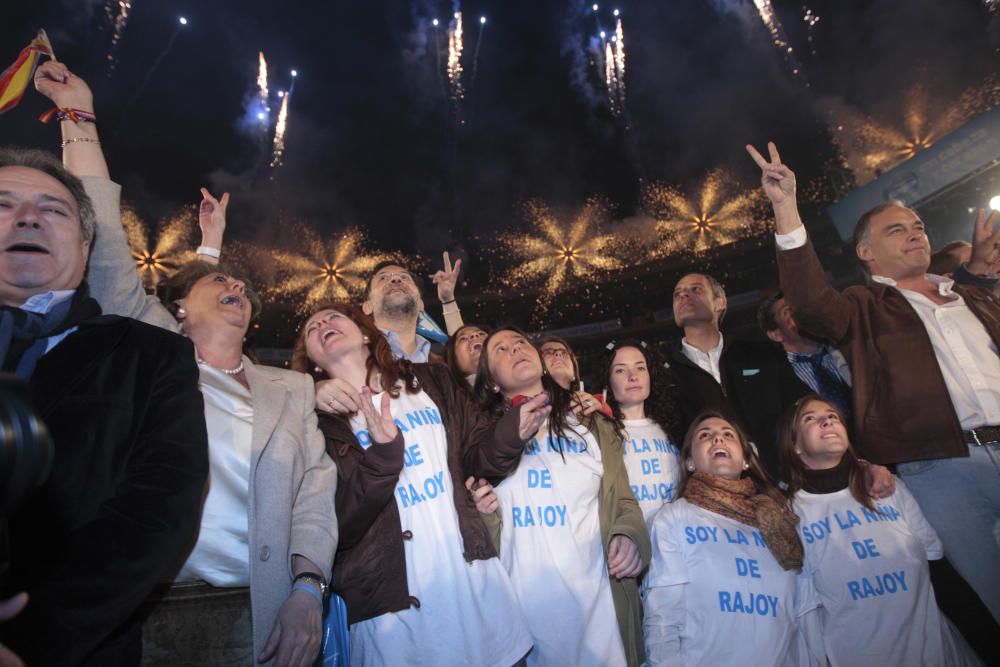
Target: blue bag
{"x":336,"y":641}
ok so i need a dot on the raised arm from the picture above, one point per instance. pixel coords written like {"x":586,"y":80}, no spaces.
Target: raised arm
{"x":819,"y":308}
{"x":446,"y":280}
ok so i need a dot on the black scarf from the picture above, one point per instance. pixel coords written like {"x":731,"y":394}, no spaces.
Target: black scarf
{"x":24,"y":335}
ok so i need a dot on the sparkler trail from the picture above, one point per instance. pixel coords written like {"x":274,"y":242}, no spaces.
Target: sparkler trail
{"x":455,"y":47}
{"x":279,"y":131}
{"x":610,"y":79}
{"x":620,"y":64}
{"x":773,"y":25}
{"x":319,"y":271}
{"x":475,"y":54}
{"x":118,"y":22}
{"x":716,"y":214}
{"x":262,"y":91}
{"x":174,"y":245}
{"x":559,"y":257}
{"x":810,"y":18}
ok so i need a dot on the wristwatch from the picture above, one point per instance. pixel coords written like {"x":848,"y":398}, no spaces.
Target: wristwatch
{"x":315,"y":579}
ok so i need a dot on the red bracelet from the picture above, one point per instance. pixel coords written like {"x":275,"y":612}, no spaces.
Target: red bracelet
{"x":75,"y":115}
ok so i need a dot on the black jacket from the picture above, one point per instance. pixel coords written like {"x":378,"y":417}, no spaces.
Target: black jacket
{"x":123,"y":502}
{"x":758,"y":385}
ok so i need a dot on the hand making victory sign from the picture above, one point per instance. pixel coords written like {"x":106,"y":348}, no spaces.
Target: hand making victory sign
{"x":779,"y":186}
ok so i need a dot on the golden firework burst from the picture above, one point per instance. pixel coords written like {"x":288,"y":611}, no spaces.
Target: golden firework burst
{"x":174,"y":244}
{"x":318,"y":271}
{"x":717,"y":213}
{"x":561,"y":256}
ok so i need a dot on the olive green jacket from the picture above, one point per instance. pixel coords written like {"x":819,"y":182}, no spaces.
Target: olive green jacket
{"x":619,"y":515}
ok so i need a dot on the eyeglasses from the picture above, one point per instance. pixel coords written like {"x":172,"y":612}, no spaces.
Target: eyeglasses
{"x":554,"y":352}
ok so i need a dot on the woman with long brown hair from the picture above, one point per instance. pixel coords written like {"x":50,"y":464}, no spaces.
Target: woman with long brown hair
{"x":867,"y":561}
{"x":415,"y":564}
{"x":723,"y":585}
{"x":573,"y":538}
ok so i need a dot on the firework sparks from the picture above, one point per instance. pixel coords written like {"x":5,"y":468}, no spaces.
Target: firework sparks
{"x":455,"y":46}
{"x":321,"y":271}
{"x":716,"y":214}
{"x":559,"y":257}
{"x":262,"y":91}
{"x":118,"y":21}
{"x":773,"y":25}
{"x":609,"y":77}
{"x":872,"y":146}
{"x":614,"y":69}
{"x":810,"y":18}
{"x":279,"y":132}
{"x":172,"y":248}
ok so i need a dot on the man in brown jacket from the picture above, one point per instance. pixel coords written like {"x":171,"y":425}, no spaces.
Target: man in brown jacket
{"x":923,"y":354}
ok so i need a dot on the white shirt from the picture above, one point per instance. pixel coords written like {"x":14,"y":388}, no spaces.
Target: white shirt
{"x":551,"y":546}
{"x":653,"y":465}
{"x":421,"y":353}
{"x":738,"y":606}
{"x":221,"y":555}
{"x":708,"y":362}
{"x":870,"y":572}
{"x":965,"y":352}
{"x":468,"y":613}
{"x":40,"y":304}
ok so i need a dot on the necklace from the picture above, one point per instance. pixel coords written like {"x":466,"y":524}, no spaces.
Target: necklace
{"x":234,"y":371}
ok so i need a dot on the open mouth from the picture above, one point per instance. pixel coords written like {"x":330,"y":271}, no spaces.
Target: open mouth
{"x":719,"y":454}
{"x":476,"y":347}
{"x":328,"y":333}
{"x":232,"y":300}
{"x":31,"y":248}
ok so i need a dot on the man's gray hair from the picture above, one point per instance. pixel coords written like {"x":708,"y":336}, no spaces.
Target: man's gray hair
{"x":47,"y":163}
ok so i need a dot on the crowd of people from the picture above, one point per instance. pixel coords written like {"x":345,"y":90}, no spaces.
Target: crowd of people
{"x":769,"y":502}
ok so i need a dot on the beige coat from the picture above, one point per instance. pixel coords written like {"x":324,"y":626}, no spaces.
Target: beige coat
{"x":292,"y":480}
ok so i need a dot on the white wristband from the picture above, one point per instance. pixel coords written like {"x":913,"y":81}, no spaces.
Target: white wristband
{"x":211,"y":252}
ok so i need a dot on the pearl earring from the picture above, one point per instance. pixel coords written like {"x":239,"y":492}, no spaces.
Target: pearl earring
{"x":496,"y":389}
{"x":318,"y":369}
{"x":799,"y":452}
{"x":746,"y":466}
{"x":181,"y":312}
{"x":366,"y":339}
{"x":690,"y":467}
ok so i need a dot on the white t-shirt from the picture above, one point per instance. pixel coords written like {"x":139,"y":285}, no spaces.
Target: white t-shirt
{"x":739,"y":606}
{"x":221,"y":555}
{"x":653,"y":465}
{"x":551,"y":546}
{"x":870,"y":572}
{"x":468,"y":612}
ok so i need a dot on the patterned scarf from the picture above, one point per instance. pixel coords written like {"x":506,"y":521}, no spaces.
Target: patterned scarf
{"x":740,"y":500}
{"x":24,"y":335}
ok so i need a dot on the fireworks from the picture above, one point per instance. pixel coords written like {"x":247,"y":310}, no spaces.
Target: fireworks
{"x":262,"y":80}
{"x":174,"y":244}
{"x":872,"y":147}
{"x":561,"y":257}
{"x":810,"y":18}
{"x":320,"y":271}
{"x":279,"y":132}
{"x":773,"y":25}
{"x":717,"y":214}
{"x":455,"y":46}
{"x":118,"y":22}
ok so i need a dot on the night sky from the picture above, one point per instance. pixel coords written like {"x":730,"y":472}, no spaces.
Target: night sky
{"x":372,"y":139}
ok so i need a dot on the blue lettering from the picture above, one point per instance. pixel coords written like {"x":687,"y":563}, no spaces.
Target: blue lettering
{"x":651,"y":467}
{"x":412,"y":456}
{"x":754,"y":604}
{"x":885,"y":584}
{"x":748,"y":568}
{"x":739,"y":539}
{"x":539,"y":479}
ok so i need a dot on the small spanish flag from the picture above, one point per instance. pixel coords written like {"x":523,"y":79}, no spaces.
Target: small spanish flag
{"x":15,"y":79}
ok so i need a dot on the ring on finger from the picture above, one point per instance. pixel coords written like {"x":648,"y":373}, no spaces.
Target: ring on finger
{"x":587,"y":403}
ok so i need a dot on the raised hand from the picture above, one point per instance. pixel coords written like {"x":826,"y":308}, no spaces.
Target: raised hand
{"x":623,"y":558}
{"x":212,"y":218}
{"x":65,"y":89}
{"x":584,"y":404}
{"x":447,"y":279}
{"x":778,"y":180}
{"x":381,"y":427}
{"x":483,"y":495}
{"x":337,"y":396}
{"x":985,"y":240}
{"x":532,"y":414}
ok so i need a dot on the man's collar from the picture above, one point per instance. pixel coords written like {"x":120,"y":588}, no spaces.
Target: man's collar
{"x":422,"y":350}
{"x":685,"y":345}
{"x":43,"y":303}
{"x":823,"y":350}
{"x":944,"y":285}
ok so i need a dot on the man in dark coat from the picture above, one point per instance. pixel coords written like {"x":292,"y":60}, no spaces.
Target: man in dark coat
{"x":121,"y":400}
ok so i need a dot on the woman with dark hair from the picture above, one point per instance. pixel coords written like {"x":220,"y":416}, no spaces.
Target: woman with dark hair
{"x":416,"y":564}
{"x":867,"y":561}
{"x":643,"y":403}
{"x":561,"y":363}
{"x":573,"y":538}
{"x":722,"y":587}
{"x":462,"y":351}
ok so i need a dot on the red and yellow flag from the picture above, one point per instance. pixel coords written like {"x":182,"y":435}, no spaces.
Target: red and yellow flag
{"x":15,"y":79}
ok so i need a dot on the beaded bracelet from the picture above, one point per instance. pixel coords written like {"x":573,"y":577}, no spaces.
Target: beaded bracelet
{"x":75,"y":115}
{"x":86,"y":140}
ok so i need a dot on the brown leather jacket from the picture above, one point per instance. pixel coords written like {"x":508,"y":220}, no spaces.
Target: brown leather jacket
{"x":902,"y":409}
{"x":369,"y":571}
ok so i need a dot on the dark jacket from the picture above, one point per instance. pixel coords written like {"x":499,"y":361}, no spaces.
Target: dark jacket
{"x":369,"y":571}
{"x":902,"y":409}
{"x":123,"y":502}
{"x":758,"y":385}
